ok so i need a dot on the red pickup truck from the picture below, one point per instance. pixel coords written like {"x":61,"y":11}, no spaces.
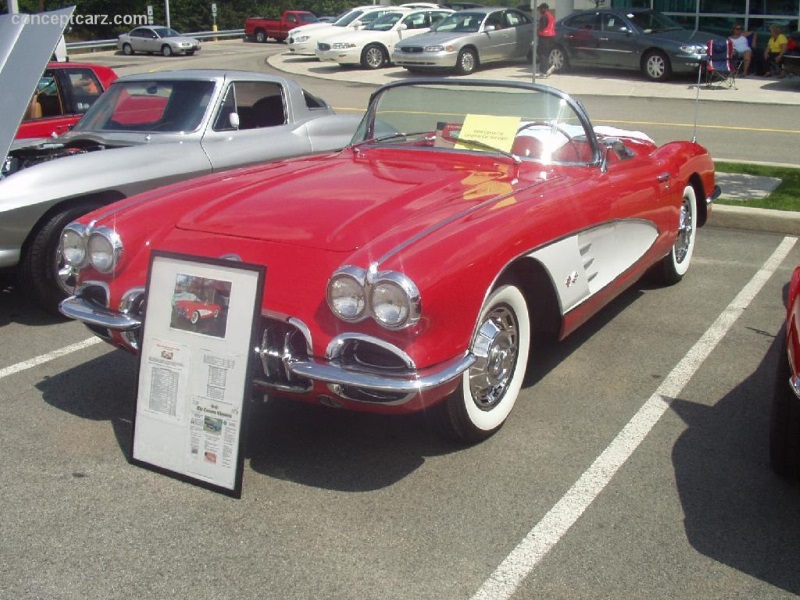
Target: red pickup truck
{"x":260,"y":28}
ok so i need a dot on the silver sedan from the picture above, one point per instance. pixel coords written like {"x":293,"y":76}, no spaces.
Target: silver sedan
{"x":157,"y":40}
{"x":467,"y":39}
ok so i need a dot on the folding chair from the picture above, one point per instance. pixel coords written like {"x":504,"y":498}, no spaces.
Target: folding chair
{"x":720,"y":64}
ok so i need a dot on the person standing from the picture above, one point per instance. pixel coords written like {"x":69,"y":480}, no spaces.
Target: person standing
{"x":547,"y":33}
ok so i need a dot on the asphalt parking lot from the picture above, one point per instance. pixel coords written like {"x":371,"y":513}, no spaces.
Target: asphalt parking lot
{"x":635,"y":466}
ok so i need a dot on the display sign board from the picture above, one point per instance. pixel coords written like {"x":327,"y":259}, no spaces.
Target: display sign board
{"x":194,"y":368}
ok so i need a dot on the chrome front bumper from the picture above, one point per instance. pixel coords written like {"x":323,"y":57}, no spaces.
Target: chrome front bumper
{"x":338,"y":377}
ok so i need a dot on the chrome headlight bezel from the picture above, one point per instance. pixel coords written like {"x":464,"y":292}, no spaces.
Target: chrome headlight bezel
{"x":73,"y":249}
{"x":347,"y":277}
{"x":112,"y":251}
{"x":371,"y":289}
{"x":436,"y":48}
{"x":401,"y":288}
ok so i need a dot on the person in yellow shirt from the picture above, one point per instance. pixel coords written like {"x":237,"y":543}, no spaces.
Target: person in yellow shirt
{"x":773,"y":55}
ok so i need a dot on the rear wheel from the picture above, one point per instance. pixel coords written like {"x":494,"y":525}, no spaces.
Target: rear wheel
{"x":466,"y":62}
{"x":558,"y":59}
{"x":489,"y":389}
{"x":677,"y":262}
{"x":374,"y":57}
{"x":261,"y":36}
{"x":784,"y":427}
{"x":42,"y":271}
{"x":656,"y":66}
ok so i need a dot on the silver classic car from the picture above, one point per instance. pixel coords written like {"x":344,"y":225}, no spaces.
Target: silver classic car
{"x":467,"y":39}
{"x":147,"y":131}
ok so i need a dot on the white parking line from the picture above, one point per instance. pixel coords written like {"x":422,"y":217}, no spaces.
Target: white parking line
{"x":546,"y":534}
{"x":29,"y":364}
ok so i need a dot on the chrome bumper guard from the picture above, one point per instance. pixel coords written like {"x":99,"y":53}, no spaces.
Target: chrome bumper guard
{"x":92,"y":313}
{"x":714,"y":195}
{"x":410,"y":383}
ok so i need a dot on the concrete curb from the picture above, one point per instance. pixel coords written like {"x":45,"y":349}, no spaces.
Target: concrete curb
{"x":755,"y":219}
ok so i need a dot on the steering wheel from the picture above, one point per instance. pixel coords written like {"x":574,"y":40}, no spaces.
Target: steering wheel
{"x":558,"y":128}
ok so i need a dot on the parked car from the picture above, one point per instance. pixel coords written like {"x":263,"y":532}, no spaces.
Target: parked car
{"x":303,"y":40}
{"x":149,"y":130}
{"x":784,"y":431}
{"x":628,"y":38}
{"x":791,"y":59}
{"x":65,"y":91}
{"x":372,"y":46}
{"x":467,"y":39}
{"x":261,"y":29}
{"x":157,"y":40}
{"x":409,"y":271}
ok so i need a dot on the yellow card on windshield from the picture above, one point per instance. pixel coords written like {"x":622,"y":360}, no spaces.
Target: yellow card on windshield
{"x":497,"y":132}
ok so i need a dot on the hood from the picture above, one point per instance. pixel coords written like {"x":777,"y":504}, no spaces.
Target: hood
{"x":28,"y":44}
{"x":433,"y":38}
{"x":682,"y":36}
{"x":342,"y":204}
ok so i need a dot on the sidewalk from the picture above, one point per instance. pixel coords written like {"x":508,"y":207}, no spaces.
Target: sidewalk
{"x":751,"y":90}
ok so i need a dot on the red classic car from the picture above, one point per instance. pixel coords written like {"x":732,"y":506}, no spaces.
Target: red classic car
{"x":409,"y":271}
{"x":196,"y":310}
{"x":64,"y":93}
{"x":785,"y":422}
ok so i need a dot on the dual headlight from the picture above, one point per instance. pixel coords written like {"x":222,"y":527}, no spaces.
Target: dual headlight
{"x":389,"y":297}
{"x":99,"y":247}
{"x":693,"y":49}
{"x":439,"y":48}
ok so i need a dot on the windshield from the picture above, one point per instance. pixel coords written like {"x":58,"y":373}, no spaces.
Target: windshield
{"x":385,"y":22}
{"x":165,"y":32}
{"x":348,"y":18}
{"x":149,"y":106}
{"x":653,"y":22}
{"x":532,"y":122}
{"x":464,"y":21}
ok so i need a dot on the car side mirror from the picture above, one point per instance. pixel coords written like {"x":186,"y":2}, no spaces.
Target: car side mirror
{"x":402,"y":27}
{"x":233,"y":119}
{"x":489,"y":28}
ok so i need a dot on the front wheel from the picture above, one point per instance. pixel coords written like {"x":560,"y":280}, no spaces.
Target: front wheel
{"x":784,"y":427}
{"x":677,"y":262}
{"x":466,"y":62}
{"x":489,"y":389}
{"x":166,"y":50}
{"x":42,"y":271}
{"x":127,"y":49}
{"x":656,"y":66}
{"x":374,"y":57}
{"x":195,"y":317}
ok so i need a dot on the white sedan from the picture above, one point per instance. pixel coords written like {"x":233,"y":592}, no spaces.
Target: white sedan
{"x":303,"y":40}
{"x":372,"y":46}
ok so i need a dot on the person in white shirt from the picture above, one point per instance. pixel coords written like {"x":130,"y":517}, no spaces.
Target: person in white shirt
{"x":741,"y":47}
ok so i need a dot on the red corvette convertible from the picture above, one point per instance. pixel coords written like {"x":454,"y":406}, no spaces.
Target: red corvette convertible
{"x":785,"y":424}
{"x":410,"y":271}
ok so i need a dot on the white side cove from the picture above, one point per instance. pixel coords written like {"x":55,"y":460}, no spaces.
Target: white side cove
{"x":583,"y":264}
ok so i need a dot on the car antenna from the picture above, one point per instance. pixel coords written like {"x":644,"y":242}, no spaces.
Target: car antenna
{"x":697,"y":101}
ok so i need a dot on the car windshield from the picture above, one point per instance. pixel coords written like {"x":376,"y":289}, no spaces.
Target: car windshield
{"x":348,"y":18}
{"x":653,"y":22}
{"x":532,"y":122}
{"x":465,"y":22}
{"x":385,"y":22}
{"x":149,"y":106}
{"x":165,"y":32}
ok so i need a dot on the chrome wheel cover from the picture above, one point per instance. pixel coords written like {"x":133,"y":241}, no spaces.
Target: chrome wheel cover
{"x":374,"y":57}
{"x":497,"y":349}
{"x":685,"y":231}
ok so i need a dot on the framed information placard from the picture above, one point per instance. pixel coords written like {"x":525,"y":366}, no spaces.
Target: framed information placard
{"x":194,"y":368}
